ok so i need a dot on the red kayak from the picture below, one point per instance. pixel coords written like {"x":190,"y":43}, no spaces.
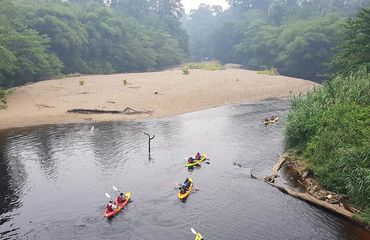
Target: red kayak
{"x":119,"y":207}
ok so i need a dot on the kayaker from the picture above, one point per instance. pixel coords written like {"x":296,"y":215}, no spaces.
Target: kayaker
{"x":187,"y":183}
{"x":110,"y":206}
{"x":190,"y":160}
{"x":120,"y":198}
{"x":198,"y":156}
{"x":182,"y":190}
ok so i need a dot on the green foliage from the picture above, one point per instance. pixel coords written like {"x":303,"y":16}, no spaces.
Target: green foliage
{"x":353,"y":53}
{"x":4,"y":93}
{"x":185,"y":71}
{"x":212,"y":66}
{"x":297,"y":37}
{"x":272,"y":72}
{"x":50,"y":38}
{"x":330,"y":127}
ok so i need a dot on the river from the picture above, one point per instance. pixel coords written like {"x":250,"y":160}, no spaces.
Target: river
{"x":53,"y":179}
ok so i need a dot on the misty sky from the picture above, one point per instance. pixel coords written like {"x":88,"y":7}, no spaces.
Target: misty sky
{"x":193,"y":4}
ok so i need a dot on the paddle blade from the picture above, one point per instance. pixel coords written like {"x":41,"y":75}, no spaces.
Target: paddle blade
{"x":115,"y":188}
{"x":193,"y":231}
{"x":107,"y":195}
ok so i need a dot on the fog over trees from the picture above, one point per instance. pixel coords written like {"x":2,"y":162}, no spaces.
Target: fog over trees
{"x":40,"y":39}
{"x":299,"y":37}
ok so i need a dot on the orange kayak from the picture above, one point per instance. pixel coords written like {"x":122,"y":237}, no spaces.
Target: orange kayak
{"x":109,"y":214}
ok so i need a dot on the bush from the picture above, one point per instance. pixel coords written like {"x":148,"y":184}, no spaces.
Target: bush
{"x":272,"y":72}
{"x":205,"y":65}
{"x":185,"y":71}
{"x":4,"y":93}
{"x":330,"y":128}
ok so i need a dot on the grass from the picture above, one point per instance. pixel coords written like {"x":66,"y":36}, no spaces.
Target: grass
{"x":82,"y":82}
{"x":124,"y":81}
{"x":330,"y":128}
{"x":272,"y":72}
{"x":212,"y":66}
{"x":4,"y":94}
{"x":185,"y":71}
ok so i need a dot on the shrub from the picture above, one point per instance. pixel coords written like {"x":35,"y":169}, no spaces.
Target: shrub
{"x":213,"y":65}
{"x":4,"y":93}
{"x":185,"y":71}
{"x":330,"y":128}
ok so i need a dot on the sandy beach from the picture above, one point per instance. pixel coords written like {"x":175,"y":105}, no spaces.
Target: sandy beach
{"x":164,"y":93}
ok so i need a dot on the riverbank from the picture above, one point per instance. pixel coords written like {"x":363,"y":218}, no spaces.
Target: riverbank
{"x":154,"y":94}
{"x":299,"y":181}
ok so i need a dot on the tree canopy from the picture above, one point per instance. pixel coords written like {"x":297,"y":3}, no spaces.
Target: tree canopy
{"x":299,"y":37}
{"x":44,"y":38}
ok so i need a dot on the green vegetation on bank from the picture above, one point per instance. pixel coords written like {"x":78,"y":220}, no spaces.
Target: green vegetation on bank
{"x":40,"y":39}
{"x":330,"y":126}
{"x":272,"y":72}
{"x":4,"y":93}
{"x":212,"y":66}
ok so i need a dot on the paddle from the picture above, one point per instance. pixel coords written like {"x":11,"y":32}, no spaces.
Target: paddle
{"x":108,"y":196}
{"x":179,"y":184}
{"x":115,"y":188}
{"x":193,"y":231}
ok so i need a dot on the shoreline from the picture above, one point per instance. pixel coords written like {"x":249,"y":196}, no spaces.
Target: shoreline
{"x":163,"y":94}
{"x":299,"y":182}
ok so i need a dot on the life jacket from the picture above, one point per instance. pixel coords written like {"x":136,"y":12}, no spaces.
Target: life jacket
{"x":119,"y":199}
{"x":109,"y":208}
{"x":197,"y":157}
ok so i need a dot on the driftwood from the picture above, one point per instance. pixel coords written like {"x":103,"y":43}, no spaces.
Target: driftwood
{"x":127,"y":111}
{"x":306,"y":196}
{"x":275,"y":169}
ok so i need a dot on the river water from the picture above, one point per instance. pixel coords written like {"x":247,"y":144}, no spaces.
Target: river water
{"x":53,"y":180}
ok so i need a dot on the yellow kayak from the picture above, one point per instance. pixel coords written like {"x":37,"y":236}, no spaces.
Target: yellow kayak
{"x":186,"y":194}
{"x":196,"y":162}
{"x":270,"y":121}
{"x":198,"y":237}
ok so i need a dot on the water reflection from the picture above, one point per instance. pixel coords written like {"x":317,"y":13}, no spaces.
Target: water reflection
{"x":53,"y":180}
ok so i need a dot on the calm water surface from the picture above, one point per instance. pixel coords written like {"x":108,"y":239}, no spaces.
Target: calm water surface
{"x":53,"y":180}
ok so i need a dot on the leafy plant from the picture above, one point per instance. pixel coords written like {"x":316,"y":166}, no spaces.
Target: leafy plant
{"x":185,"y":71}
{"x":4,"y":93}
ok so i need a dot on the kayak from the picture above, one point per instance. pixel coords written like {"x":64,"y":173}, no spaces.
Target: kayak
{"x":203,"y":158}
{"x":119,"y":206}
{"x":270,"y":121}
{"x":186,"y":194}
{"x":198,"y":237}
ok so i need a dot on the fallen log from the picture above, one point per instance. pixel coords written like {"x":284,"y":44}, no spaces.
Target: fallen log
{"x":127,"y":111}
{"x":306,"y":196}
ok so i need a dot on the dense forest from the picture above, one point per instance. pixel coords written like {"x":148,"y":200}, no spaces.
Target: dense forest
{"x":298,"y":37}
{"x":40,"y":39}
{"x":45,"y":38}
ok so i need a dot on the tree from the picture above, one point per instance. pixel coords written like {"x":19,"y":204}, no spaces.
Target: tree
{"x":354,"y":52}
